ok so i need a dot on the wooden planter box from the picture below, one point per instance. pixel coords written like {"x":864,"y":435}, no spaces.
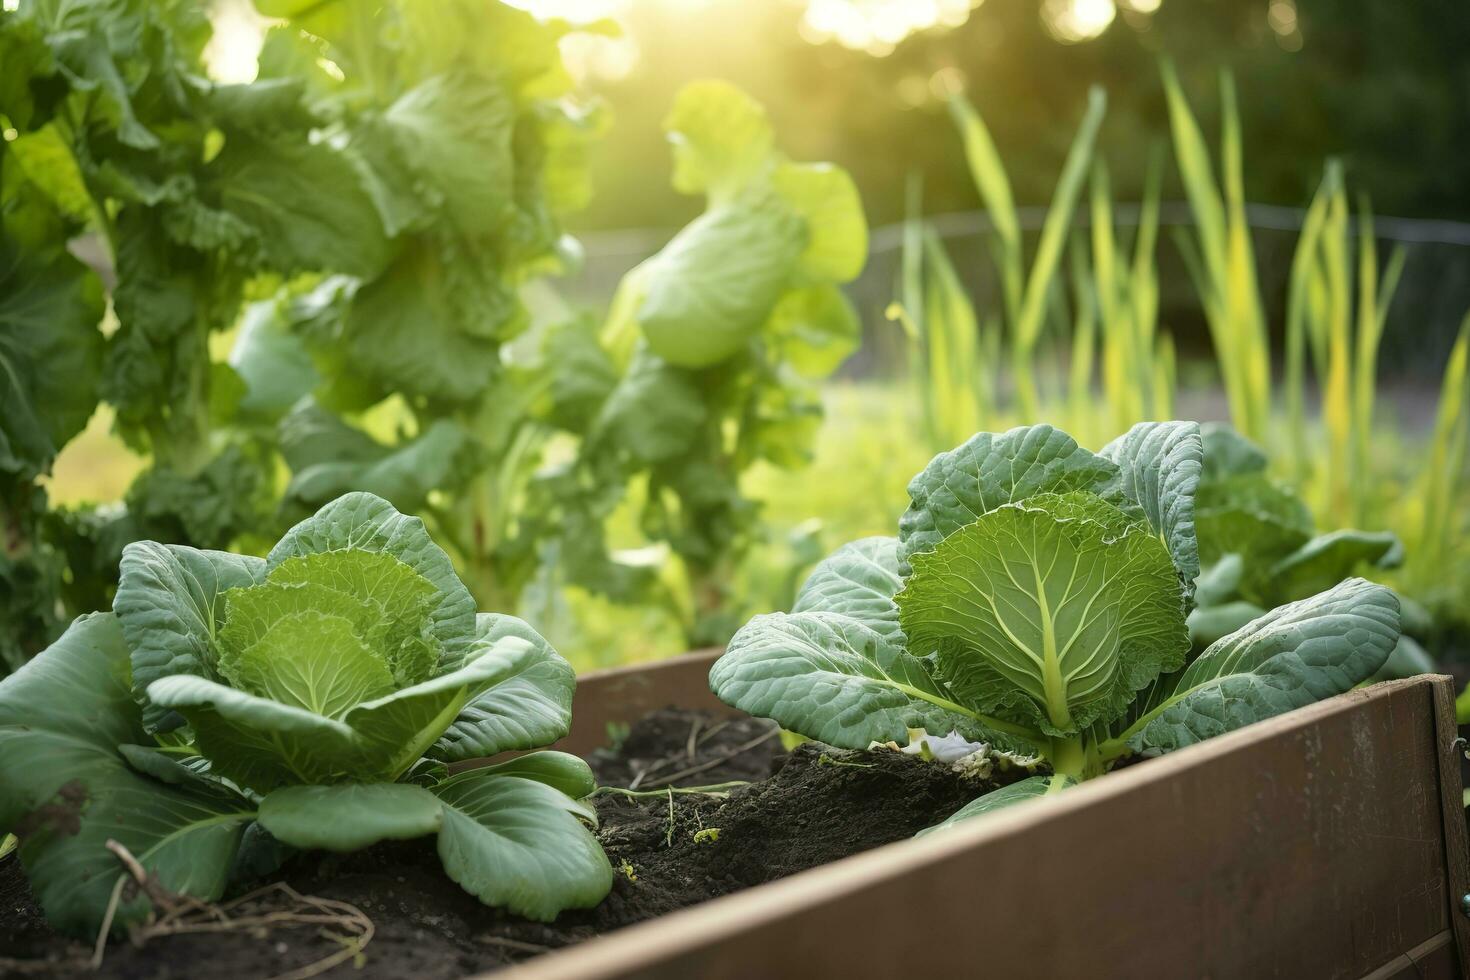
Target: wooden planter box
{"x":1329,"y":842}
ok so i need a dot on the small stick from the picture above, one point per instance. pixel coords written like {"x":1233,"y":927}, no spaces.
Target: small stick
{"x":514,"y":944}
{"x":714,"y":789}
{"x":690,"y":745}
{"x":713,"y":731}
{"x":101,"y":944}
{"x":704,"y":766}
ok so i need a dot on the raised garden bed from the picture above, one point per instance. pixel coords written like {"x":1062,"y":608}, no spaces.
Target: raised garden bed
{"x":1328,"y":842}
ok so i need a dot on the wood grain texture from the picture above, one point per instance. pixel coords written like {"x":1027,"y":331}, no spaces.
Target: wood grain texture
{"x":1310,"y":845}
{"x":623,"y":695}
{"x":1452,"y":806}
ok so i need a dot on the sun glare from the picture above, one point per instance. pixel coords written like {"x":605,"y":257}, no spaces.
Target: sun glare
{"x":877,"y":26}
{"x":1073,"y":21}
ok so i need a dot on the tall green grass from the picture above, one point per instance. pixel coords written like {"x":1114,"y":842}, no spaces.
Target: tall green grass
{"x":1219,"y":256}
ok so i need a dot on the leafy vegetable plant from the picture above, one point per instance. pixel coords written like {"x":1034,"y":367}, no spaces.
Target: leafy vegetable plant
{"x":313,"y":698}
{"x":1034,"y":602}
{"x":712,"y":347}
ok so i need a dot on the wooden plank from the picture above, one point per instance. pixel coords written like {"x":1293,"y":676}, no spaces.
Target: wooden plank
{"x":1310,"y":845}
{"x":1452,"y":806}
{"x":623,"y":695}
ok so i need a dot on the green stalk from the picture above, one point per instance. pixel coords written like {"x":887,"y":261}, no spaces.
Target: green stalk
{"x":1337,"y":411}
{"x":1220,"y":261}
{"x":1084,"y":331}
{"x":1298,"y":313}
{"x":1027,"y":328}
{"x":1068,"y":757}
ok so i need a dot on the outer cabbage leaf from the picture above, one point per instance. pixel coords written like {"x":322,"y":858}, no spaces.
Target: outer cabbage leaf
{"x":833,"y":679}
{"x":1031,"y":788}
{"x":256,"y":742}
{"x":989,"y":470}
{"x":529,"y":706}
{"x":858,"y":580}
{"x":169,"y":602}
{"x":396,"y":730}
{"x":1294,"y":655}
{"x":520,"y":844}
{"x":66,"y":788}
{"x":1049,"y":613}
{"x":710,"y":290}
{"x":368,"y":522}
{"x":350,"y":816}
{"x":1160,"y":462}
{"x":1328,"y":559}
{"x":560,"y":770}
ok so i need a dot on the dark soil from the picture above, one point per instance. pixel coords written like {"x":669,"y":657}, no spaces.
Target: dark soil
{"x":802,"y":809}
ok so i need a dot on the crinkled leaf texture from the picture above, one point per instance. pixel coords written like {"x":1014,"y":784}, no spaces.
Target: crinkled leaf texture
{"x":169,"y":604}
{"x":837,"y":667}
{"x":367,"y":522}
{"x":859,"y":580}
{"x":1050,"y":613}
{"x":262,"y":743}
{"x":1031,"y":788}
{"x":1160,"y":464}
{"x":66,"y":787}
{"x":829,"y":677}
{"x":345,"y":661}
{"x":991,"y":469}
{"x":1293,"y":656}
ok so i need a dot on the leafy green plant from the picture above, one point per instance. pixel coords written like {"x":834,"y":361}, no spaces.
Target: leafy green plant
{"x":313,"y":698}
{"x":714,"y":343}
{"x":472,"y":147}
{"x":1259,"y":549}
{"x":1034,"y":602}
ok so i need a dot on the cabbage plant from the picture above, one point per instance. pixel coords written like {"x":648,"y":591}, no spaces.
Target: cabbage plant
{"x":1034,"y":603}
{"x":314,"y":698}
